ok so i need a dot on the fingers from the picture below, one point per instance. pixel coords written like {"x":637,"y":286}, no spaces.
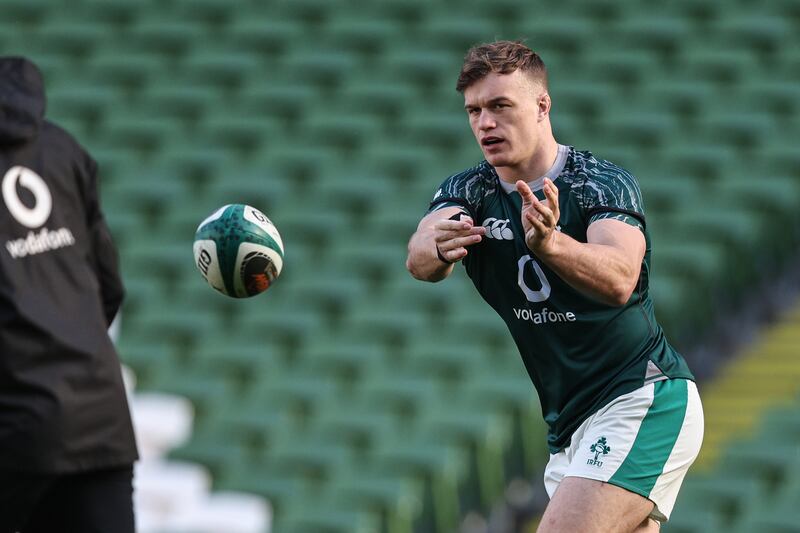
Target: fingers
{"x":551,"y":193}
{"x":446,"y":230}
{"x":526,"y":193}
{"x":536,"y":222}
{"x":453,"y":255}
{"x":453,"y":225}
{"x":545,"y":213}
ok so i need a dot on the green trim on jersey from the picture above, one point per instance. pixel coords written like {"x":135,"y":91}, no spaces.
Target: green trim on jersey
{"x":655,"y":439}
{"x":580,"y":353}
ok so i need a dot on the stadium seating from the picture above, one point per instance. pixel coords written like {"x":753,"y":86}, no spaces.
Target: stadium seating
{"x":355,"y":398}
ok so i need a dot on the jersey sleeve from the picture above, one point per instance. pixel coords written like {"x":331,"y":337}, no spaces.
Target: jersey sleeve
{"x":613,"y":194}
{"x":465,"y":190}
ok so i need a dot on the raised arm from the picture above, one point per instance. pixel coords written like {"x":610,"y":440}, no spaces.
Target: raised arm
{"x":450,"y":237}
{"x":607,"y":267}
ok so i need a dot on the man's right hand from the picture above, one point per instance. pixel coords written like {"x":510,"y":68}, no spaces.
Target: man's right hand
{"x":438,"y":235}
{"x":453,"y":236}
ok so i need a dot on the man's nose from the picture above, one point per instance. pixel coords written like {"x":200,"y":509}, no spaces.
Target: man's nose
{"x":486,"y":121}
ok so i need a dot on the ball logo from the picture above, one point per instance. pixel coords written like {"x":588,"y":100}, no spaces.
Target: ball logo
{"x":204,"y":261}
{"x":31,"y":217}
{"x":258,"y":272}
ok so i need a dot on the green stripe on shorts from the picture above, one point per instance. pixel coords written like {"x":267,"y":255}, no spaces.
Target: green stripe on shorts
{"x":656,"y":438}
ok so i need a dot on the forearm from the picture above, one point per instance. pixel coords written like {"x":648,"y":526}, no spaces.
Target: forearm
{"x":598,"y":270}
{"x":423,"y":263}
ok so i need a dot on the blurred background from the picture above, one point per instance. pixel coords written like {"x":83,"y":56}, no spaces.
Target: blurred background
{"x":350,"y":398}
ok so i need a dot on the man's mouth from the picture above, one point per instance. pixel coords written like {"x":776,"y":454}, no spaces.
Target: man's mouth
{"x":489,"y":141}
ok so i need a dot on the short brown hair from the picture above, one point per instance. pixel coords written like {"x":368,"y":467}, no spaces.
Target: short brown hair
{"x":502,"y":57}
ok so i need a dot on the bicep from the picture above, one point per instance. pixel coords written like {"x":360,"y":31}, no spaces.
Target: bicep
{"x":627,"y":239}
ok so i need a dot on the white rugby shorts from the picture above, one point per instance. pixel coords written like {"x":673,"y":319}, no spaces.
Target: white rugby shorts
{"x":644,"y":441}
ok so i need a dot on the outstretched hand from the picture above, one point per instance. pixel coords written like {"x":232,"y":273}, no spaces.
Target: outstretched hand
{"x":539,"y":219}
{"x":452,"y":237}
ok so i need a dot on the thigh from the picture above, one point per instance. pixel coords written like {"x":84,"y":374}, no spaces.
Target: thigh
{"x":19,"y":495}
{"x":90,"y":502}
{"x":592,"y":506}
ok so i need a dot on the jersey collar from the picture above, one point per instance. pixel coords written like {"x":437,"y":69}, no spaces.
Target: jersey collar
{"x":538,"y":183}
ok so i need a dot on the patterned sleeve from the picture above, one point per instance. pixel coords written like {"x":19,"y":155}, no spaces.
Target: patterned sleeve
{"x":611,"y":192}
{"x":465,"y":190}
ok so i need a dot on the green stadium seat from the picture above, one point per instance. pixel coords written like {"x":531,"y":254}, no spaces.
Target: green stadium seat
{"x":74,"y":36}
{"x":243,"y":364}
{"x":88,"y":102}
{"x":346,"y":131}
{"x":113,"y":162}
{"x":445,"y":130}
{"x":219,"y":67}
{"x":335,"y":354}
{"x":725,"y":65}
{"x":207,"y":449}
{"x":456,"y":32}
{"x":562,"y":32}
{"x":357,"y":424}
{"x":104,"y":66}
{"x":642,"y":130}
{"x":365,"y":35}
{"x":240,"y":134}
{"x":183,"y":101}
{"x":208,"y":394}
{"x":152,"y":31}
{"x":279,"y":487}
{"x":382,"y":98}
{"x":664,"y":34}
{"x":398,"y":499}
{"x":322,"y":67}
{"x":148,"y":359}
{"x":21,"y":11}
{"x":486,"y":432}
{"x":323,"y":517}
{"x":139,"y":132}
{"x":423,"y":66}
{"x":270,"y":36}
{"x":443,"y":468}
{"x":404,"y":395}
{"x":758,"y":32}
{"x":695,"y":520}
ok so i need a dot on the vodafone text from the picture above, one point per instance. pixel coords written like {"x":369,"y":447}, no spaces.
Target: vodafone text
{"x":544,"y":316}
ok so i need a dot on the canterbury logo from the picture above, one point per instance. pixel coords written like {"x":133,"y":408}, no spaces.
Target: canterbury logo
{"x":498,"y":229}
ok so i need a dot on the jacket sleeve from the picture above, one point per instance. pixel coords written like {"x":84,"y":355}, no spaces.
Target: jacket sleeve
{"x":105,"y":259}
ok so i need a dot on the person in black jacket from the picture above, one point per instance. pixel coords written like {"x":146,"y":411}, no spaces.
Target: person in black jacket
{"x":67,"y":445}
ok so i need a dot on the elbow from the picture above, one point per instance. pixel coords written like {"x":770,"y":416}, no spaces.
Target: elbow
{"x":420,"y":274}
{"x":621,"y":293}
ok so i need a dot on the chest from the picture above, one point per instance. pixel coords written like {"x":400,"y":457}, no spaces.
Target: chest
{"x":501,"y":215}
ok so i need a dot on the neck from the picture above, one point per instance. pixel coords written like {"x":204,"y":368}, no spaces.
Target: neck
{"x":535,"y":166}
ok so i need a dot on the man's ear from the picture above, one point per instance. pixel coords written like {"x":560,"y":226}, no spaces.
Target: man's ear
{"x":544,"y":104}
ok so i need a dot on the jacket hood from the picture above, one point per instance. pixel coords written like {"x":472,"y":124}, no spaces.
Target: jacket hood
{"x":22,"y":100}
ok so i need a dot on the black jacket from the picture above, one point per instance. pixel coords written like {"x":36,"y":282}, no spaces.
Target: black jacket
{"x":62,"y":403}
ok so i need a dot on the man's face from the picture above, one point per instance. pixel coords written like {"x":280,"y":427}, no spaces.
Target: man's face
{"x":505,"y":114}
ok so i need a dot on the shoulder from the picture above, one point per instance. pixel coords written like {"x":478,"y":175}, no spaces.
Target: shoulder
{"x":471,"y":186}
{"x":601,"y":182}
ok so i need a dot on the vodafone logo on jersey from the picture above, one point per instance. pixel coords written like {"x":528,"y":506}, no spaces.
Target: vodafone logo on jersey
{"x":32,"y":217}
{"x":498,"y":229}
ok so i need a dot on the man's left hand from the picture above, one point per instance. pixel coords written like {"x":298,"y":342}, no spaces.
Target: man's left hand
{"x":539,"y":219}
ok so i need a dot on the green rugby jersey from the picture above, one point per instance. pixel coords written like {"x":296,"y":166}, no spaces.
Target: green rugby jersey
{"x":580,"y":353}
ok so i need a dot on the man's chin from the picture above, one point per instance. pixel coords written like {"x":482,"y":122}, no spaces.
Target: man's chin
{"x":497,"y":160}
